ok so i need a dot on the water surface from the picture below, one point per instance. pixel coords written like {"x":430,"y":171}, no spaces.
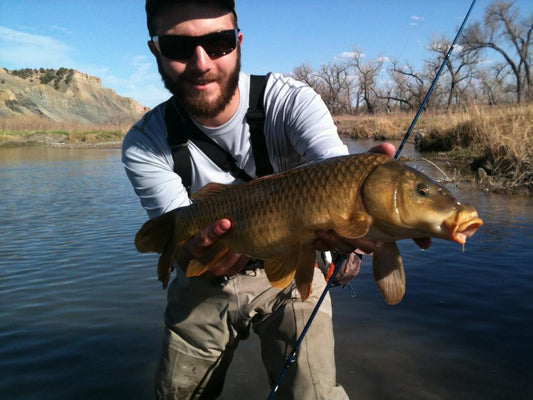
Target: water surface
{"x":81,"y":311}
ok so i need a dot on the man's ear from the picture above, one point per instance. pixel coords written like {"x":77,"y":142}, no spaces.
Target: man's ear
{"x":152,"y":48}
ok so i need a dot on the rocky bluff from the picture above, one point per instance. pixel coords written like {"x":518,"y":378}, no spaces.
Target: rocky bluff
{"x":63,"y":95}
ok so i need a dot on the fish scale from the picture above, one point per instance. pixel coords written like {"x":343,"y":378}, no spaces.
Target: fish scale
{"x":275,"y":218}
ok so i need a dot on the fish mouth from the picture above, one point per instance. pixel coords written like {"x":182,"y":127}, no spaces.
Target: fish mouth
{"x":463,"y":225}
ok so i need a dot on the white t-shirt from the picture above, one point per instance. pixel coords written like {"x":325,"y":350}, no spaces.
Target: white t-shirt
{"x":298,"y":128}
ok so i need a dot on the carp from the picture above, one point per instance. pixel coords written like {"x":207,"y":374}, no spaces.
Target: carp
{"x":275,"y":219}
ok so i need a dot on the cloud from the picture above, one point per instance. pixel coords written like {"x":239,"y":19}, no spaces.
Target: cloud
{"x":61,"y":29}
{"x":144,"y":83}
{"x":383,"y":59}
{"x":141,"y":81}
{"x":24,"y":50}
{"x":349,"y":54}
{"x":346,"y":54}
{"x":415,"y":19}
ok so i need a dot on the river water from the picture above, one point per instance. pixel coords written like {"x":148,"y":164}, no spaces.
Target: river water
{"x":81,"y":311}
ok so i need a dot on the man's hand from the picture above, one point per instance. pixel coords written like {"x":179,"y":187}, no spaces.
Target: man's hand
{"x":384,"y":148}
{"x":229,"y":264}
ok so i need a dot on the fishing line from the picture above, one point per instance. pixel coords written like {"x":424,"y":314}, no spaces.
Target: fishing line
{"x":408,"y":133}
{"x":292,"y":357}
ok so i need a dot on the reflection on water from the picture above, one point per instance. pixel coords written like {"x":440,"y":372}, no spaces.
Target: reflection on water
{"x":81,"y":311}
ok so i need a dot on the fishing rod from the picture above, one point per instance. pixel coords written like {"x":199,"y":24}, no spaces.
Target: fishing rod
{"x":421,"y":108}
{"x":292,"y":357}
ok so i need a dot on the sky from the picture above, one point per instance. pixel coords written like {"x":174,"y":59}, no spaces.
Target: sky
{"x":107,"y":38}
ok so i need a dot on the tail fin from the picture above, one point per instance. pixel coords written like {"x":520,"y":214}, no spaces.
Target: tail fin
{"x":158,"y":235}
{"x":155,"y":233}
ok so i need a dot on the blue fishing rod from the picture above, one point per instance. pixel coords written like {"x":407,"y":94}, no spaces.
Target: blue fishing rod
{"x":292,"y":357}
{"x":421,"y":108}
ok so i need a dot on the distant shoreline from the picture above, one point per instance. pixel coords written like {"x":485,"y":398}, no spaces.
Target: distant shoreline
{"x":61,"y":140}
{"x":490,"y":146}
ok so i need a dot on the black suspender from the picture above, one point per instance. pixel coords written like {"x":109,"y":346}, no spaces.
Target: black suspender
{"x":256,"y":121}
{"x":181,"y":129}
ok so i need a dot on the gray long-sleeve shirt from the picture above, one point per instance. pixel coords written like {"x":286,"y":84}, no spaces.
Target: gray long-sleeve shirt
{"x":298,"y":128}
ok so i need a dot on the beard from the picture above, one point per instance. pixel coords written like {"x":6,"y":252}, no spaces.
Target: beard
{"x":197,"y":103}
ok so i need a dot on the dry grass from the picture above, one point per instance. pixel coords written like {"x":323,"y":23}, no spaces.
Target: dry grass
{"x":32,"y":130}
{"x":497,"y":142}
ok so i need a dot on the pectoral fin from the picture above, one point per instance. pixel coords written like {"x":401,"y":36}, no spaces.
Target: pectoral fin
{"x":298,"y":263}
{"x":353,"y":227}
{"x":208,"y":259}
{"x":305,"y":270}
{"x":280,"y":269}
{"x":388,"y":272}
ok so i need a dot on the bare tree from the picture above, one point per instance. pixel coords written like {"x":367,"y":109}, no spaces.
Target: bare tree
{"x":503,"y":32}
{"x":335,"y":87}
{"x":367,"y":74}
{"x":305,"y":73}
{"x":411,"y":86}
{"x":460,"y":66}
{"x":492,"y":85}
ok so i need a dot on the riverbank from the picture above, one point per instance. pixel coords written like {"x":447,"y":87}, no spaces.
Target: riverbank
{"x":491,"y":147}
{"x":74,"y":139}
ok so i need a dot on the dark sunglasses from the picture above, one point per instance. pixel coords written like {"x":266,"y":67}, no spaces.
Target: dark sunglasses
{"x":181,"y":48}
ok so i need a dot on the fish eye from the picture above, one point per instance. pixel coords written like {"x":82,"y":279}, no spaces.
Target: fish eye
{"x":422,"y":189}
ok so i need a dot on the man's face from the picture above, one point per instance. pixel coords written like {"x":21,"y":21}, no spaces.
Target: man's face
{"x":203,"y":86}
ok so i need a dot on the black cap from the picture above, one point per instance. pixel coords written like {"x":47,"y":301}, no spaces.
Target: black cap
{"x":153,"y":6}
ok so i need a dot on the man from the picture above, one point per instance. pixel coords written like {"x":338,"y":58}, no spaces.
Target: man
{"x":206,"y":316}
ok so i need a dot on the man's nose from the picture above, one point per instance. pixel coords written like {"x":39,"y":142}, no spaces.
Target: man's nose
{"x":200,"y":59}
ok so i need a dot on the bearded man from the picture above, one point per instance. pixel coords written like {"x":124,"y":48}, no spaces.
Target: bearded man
{"x":197,"y":46}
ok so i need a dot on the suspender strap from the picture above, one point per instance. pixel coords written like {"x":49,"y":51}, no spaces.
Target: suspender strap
{"x":256,"y":121}
{"x":181,"y":129}
{"x":175,"y":122}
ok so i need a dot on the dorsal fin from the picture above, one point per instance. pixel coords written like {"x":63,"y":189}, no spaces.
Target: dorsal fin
{"x":209,"y":190}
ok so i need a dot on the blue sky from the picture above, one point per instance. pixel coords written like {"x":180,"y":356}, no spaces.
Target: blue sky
{"x":107,"y":38}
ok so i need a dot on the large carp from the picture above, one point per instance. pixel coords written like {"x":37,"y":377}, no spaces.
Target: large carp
{"x":275,"y":218}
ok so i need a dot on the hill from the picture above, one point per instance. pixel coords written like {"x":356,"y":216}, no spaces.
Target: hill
{"x":63,"y":95}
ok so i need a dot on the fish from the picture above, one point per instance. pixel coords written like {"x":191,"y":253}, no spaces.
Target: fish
{"x":275,"y":219}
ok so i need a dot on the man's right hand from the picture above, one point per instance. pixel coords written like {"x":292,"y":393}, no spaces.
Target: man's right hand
{"x":228,"y":265}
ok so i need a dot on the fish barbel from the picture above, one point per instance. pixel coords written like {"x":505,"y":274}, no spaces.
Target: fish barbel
{"x":275,"y":218}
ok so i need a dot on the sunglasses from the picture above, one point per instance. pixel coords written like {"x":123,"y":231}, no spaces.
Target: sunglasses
{"x":181,"y":48}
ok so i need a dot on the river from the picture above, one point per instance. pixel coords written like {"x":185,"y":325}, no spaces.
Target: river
{"x":81,"y":311}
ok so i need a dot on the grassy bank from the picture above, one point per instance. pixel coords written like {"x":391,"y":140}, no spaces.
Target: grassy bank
{"x":491,"y":145}
{"x":40,"y":131}
{"x":494,"y":145}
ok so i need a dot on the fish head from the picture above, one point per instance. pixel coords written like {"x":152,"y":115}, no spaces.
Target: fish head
{"x":406,"y":203}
